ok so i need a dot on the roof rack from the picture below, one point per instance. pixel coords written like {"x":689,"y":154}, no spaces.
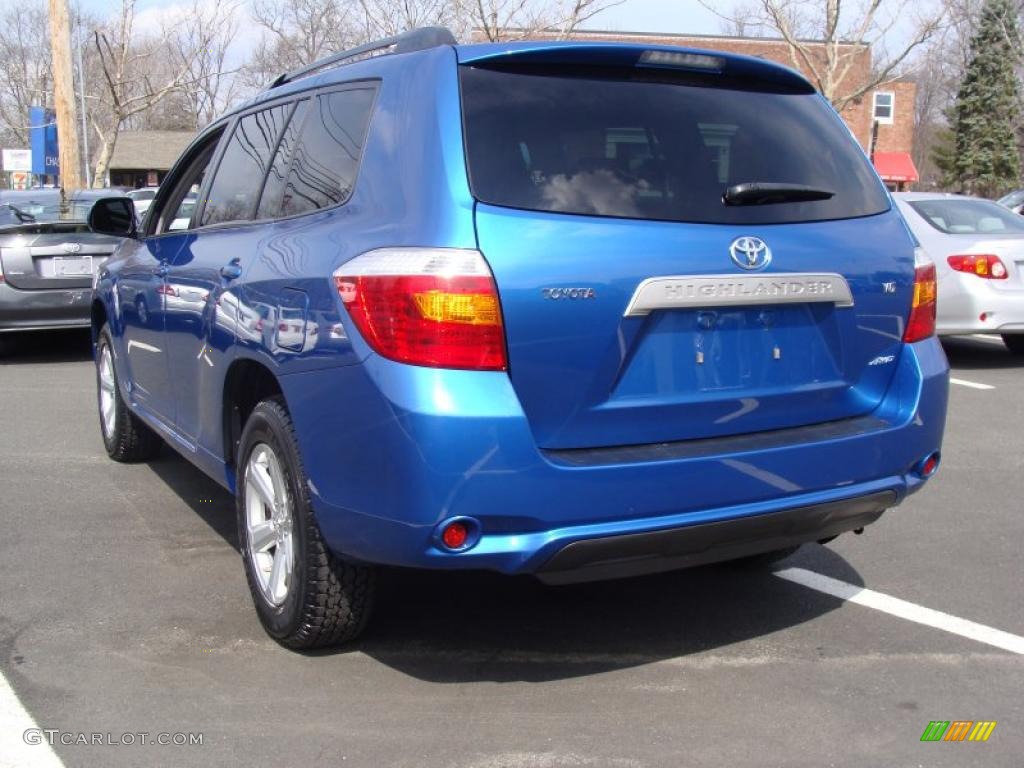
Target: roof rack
{"x":414,"y":40}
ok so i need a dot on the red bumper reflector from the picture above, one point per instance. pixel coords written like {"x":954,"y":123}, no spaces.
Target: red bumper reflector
{"x":454,"y":535}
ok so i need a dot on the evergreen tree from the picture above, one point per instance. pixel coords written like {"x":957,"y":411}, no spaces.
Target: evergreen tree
{"x":986,"y":160}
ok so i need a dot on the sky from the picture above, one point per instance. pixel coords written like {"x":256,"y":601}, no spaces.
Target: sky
{"x":633,"y":15}
{"x":671,"y":16}
{"x":660,"y":16}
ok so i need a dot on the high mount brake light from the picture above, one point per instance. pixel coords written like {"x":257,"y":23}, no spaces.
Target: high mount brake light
{"x":436,"y":307}
{"x":921,"y":323}
{"x":985,"y":265}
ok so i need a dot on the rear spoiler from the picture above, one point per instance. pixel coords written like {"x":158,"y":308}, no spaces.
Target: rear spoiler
{"x":654,"y":59}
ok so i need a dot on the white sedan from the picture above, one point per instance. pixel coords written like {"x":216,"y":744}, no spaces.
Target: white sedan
{"x":978,"y":249}
{"x":142,"y":199}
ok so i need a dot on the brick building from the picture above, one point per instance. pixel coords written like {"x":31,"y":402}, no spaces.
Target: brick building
{"x":888,"y":109}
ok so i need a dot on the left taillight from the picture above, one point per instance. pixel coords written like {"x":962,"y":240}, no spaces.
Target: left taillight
{"x":435,"y":307}
{"x":985,"y":265}
{"x":921,"y":323}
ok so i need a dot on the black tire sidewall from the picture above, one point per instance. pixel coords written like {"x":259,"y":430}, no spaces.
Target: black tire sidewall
{"x":265,"y":426}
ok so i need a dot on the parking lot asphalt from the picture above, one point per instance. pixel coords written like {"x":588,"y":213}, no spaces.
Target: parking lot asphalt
{"x":124,"y":609}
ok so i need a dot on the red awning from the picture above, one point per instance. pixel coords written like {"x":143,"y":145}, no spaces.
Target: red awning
{"x":895,"y":166}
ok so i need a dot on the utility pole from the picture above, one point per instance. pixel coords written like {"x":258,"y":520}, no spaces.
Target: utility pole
{"x":81,"y":92}
{"x":64,"y":96}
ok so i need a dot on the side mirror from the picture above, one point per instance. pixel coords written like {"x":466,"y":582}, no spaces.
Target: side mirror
{"x":113,"y":216}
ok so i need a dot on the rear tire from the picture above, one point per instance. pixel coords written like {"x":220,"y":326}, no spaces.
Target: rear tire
{"x":305,"y":596}
{"x":1014,"y":342}
{"x":125,"y":437}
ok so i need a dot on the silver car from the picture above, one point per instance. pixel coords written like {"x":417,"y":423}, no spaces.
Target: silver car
{"x":48,"y":257}
{"x":978,"y":249}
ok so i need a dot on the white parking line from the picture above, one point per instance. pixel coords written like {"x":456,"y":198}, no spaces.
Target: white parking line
{"x":14,"y":723}
{"x":971,"y":384}
{"x":904,"y":609}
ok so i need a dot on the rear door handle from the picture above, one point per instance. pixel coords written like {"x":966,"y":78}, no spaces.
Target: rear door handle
{"x":232,"y":270}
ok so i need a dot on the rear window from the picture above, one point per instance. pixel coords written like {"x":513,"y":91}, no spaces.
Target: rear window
{"x":1013,"y":199}
{"x":969,"y":217}
{"x":586,"y":142}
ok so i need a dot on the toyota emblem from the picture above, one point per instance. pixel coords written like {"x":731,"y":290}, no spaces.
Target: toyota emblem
{"x":750,"y":252}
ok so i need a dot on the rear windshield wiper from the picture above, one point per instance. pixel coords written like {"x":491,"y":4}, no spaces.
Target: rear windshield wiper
{"x":23,"y":217}
{"x":767,"y":193}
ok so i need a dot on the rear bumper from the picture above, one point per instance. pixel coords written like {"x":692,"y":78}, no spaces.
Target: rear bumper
{"x":391,"y":458}
{"x":631,"y":554}
{"x":962,"y":305}
{"x":37,"y":310}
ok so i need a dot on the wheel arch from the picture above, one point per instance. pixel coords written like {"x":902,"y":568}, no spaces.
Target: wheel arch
{"x":98,"y":318}
{"x":246,"y":383}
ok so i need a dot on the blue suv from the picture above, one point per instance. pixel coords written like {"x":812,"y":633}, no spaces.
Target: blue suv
{"x":568,"y":309}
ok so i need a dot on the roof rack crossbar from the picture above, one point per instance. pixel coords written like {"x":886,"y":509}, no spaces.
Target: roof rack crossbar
{"x":418,"y":39}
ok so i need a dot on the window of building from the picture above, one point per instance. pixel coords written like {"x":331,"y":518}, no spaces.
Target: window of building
{"x":884,"y":102}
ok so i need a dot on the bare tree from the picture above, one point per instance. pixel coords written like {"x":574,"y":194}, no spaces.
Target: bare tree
{"x":137,"y":75}
{"x":938,"y":73}
{"x":745,"y":20}
{"x":501,"y":20}
{"x":200,"y":39}
{"x":25,"y":78}
{"x":827,"y":39}
{"x":297,"y":32}
{"x":384,"y":18}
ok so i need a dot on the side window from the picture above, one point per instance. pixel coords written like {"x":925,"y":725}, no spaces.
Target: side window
{"x":176,"y":213}
{"x":239,"y":177}
{"x":323,"y":170}
{"x":270,"y":202}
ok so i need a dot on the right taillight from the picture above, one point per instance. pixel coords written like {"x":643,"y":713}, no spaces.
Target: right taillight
{"x":921,"y":323}
{"x":985,"y":265}
{"x":435,"y":307}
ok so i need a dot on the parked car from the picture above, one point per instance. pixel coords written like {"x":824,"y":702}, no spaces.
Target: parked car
{"x":142,"y":198}
{"x":184,"y":214}
{"x":1014,"y":201}
{"x":978,"y":250}
{"x":48,"y":257}
{"x":582,"y":311}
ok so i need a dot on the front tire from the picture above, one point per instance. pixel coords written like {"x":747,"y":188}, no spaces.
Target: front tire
{"x":1014,"y":342}
{"x":305,"y":596}
{"x":125,"y":437}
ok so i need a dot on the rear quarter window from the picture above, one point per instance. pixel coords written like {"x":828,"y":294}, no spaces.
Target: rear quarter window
{"x":605,"y":143}
{"x":969,"y":217}
{"x":325,"y":160}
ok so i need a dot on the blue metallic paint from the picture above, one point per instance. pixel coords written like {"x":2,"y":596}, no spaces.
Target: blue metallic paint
{"x":391,"y":450}
{"x":439,"y":444}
